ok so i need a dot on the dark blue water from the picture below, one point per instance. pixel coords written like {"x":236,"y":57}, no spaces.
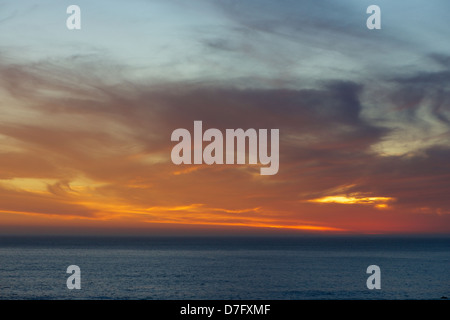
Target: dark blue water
{"x":221,"y":268}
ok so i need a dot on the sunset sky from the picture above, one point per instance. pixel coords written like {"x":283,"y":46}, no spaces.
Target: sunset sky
{"x":86,"y":116}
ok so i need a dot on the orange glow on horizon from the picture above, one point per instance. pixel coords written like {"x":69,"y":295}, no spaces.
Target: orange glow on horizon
{"x":83,"y":203}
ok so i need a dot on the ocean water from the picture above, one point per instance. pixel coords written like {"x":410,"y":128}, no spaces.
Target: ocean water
{"x":224,"y":268}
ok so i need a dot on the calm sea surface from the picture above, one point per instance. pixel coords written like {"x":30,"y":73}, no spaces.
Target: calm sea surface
{"x":224,"y":268}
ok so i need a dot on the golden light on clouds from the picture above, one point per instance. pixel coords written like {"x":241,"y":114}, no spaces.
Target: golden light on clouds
{"x":267,"y":225}
{"x":377,"y":202}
